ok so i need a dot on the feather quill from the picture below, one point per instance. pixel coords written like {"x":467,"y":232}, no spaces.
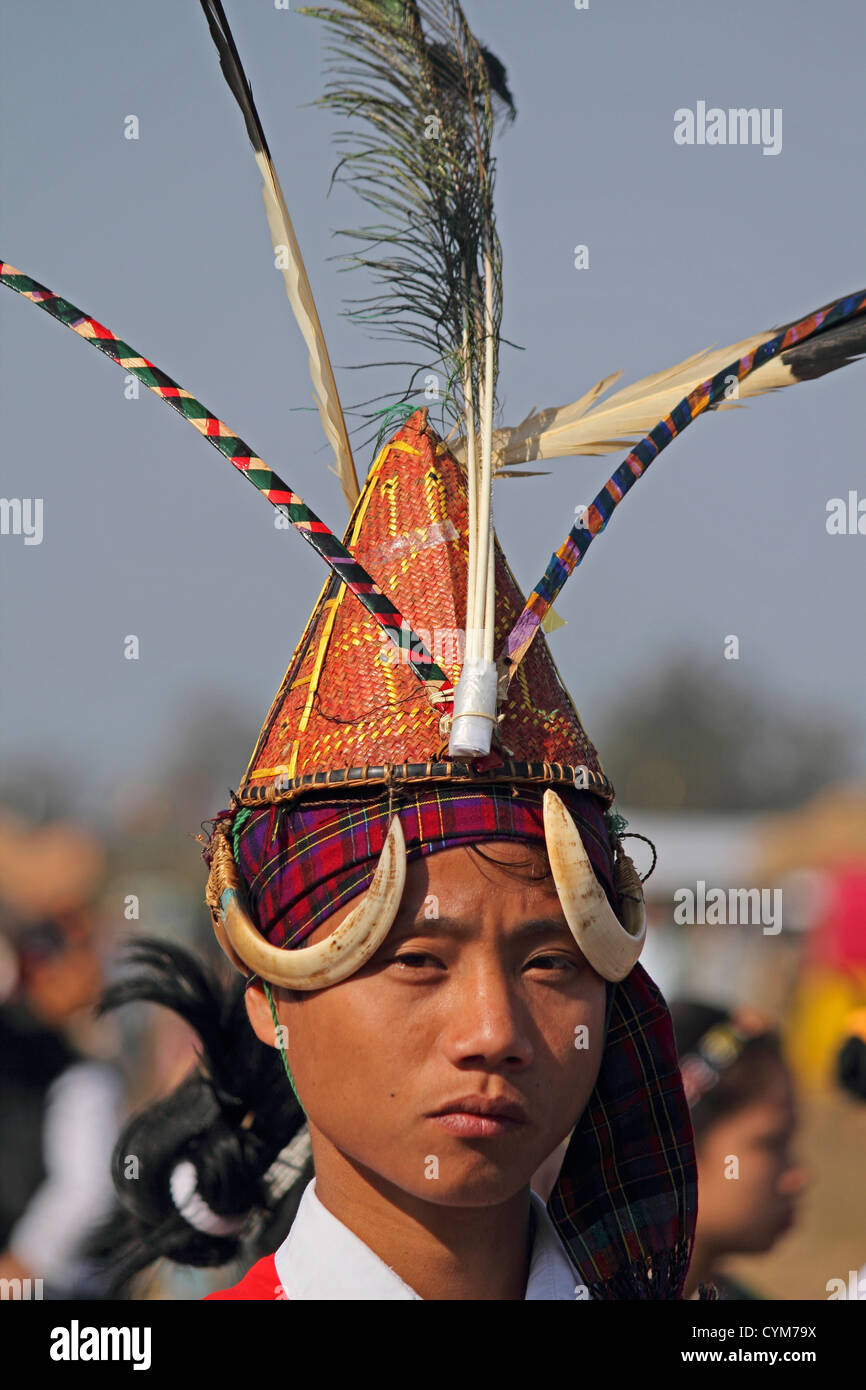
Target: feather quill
{"x":590,"y":427}
{"x":291,"y":261}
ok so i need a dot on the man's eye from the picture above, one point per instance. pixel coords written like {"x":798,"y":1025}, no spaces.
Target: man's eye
{"x":553,"y":962}
{"x":416,"y":960}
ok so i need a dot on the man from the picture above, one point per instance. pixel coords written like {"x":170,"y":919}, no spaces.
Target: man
{"x":437,"y":1080}
{"x":446,"y":955}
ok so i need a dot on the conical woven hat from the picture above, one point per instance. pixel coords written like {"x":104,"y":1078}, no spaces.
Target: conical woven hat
{"x":351,"y":711}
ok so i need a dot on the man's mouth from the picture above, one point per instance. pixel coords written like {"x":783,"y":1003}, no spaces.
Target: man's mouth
{"x":481,"y":1117}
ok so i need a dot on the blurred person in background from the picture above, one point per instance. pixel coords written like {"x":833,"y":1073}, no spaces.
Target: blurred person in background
{"x":60,"y":1097}
{"x":741,"y":1095}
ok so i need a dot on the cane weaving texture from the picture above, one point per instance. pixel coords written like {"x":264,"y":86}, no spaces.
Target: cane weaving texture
{"x":349,"y":702}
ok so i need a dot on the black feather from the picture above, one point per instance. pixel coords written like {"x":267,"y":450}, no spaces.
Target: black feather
{"x":231,"y":1117}
{"x":234,"y":74}
{"x":828,"y":350}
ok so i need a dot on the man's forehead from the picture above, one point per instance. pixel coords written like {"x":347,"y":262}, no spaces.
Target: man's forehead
{"x":467,"y":927}
{"x":456,"y":892}
{"x":480,"y":866}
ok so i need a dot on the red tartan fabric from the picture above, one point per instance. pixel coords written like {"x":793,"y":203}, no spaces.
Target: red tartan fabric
{"x":302,"y":862}
{"x":625,"y":1202}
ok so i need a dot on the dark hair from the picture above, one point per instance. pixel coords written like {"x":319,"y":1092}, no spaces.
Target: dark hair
{"x":537,"y":862}
{"x":538,"y":858}
{"x":739,"y":1083}
{"x":231,"y":1117}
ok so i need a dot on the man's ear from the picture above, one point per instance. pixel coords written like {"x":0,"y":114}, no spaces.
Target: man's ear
{"x":259,"y":1011}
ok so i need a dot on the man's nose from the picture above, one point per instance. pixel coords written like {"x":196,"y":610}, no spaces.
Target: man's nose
{"x":489,"y":1021}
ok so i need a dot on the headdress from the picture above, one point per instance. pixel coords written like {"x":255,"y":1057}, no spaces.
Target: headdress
{"x":465,"y":692}
{"x":422,"y":707}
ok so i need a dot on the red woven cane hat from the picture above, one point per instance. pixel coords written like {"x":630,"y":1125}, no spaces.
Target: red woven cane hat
{"x":351,"y":711}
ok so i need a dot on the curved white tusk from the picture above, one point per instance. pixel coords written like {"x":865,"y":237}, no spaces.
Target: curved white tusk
{"x":349,"y":946}
{"x":611,"y":948}
{"x":223,"y":939}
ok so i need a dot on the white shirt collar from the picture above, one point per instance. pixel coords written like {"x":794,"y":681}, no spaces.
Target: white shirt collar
{"x":321,"y":1259}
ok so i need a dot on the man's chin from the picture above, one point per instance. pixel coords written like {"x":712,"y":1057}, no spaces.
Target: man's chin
{"x":473,"y":1196}
{"x":474,"y":1181}
{"x":452,"y":1172}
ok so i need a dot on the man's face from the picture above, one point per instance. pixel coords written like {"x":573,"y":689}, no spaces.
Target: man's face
{"x":479,"y":990}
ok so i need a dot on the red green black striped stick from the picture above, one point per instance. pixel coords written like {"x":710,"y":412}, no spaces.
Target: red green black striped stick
{"x":270,"y":485}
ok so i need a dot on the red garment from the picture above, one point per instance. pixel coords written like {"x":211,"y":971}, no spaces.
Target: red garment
{"x":260,"y":1282}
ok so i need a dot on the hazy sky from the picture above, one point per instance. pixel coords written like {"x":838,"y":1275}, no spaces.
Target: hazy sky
{"x":148,"y":531}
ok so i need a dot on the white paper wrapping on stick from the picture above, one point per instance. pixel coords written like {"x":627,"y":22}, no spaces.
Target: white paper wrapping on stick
{"x":474,"y":715}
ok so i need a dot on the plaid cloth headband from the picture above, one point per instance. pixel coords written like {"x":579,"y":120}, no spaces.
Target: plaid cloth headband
{"x":304,"y":861}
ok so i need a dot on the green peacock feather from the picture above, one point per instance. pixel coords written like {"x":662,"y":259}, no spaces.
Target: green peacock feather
{"x":423,"y":98}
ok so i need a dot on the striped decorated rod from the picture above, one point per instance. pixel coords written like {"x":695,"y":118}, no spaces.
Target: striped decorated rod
{"x":598,"y":513}
{"x":439,"y":689}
